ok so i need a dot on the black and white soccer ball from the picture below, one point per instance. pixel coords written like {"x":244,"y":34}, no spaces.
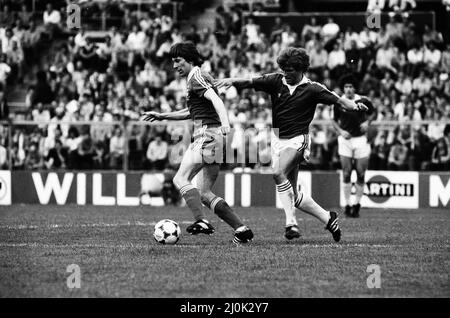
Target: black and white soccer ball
{"x":167,"y":232}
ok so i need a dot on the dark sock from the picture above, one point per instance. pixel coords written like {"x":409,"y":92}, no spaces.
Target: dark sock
{"x":193,"y":201}
{"x":223,"y":211}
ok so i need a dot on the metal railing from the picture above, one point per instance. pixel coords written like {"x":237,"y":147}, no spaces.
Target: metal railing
{"x":8,"y":128}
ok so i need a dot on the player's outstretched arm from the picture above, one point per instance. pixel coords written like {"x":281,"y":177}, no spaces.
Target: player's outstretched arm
{"x":181,"y":114}
{"x":239,"y":83}
{"x":211,"y":95}
{"x":351,"y":105}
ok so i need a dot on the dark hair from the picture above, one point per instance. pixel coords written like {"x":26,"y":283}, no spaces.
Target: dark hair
{"x":348,"y":79}
{"x":188,"y":51}
{"x":296,"y":58}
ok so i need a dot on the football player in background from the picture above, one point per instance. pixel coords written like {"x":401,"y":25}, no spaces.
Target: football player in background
{"x":294,"y":99}
{"x":205,"y":153}
{"x":353,"y":147}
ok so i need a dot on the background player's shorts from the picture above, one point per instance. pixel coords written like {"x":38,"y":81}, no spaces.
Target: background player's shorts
{"x":355,"y":147}
{"x":300,"y":143}
{"x":209,"y":143}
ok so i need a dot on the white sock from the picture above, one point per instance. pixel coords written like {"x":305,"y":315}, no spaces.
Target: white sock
{"x":359,"y":192}
{"x":347,"y":189}
{"x":308,"y":205}
{"x":286,"y":194}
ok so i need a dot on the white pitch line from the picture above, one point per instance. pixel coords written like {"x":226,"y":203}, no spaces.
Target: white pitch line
{"x":91,"y":225}
{"x":123,"y":246}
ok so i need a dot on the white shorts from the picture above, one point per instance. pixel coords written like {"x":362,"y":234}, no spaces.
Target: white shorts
{"x":299,"y":143}
{"x":355,"y":147}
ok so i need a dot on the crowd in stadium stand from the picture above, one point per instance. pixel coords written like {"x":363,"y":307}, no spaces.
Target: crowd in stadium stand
{"x":403,"y":69}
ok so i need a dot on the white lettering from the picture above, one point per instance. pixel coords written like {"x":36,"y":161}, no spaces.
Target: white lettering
{"x":438,"y":191}
{"x":52,"y":184}
{"x":97,"y":196}
{"x":122,"y":198}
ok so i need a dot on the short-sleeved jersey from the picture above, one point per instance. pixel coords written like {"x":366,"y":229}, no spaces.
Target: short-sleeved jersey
{"x":350,"y":120}
{"x":293,"y":111}
{"x":201,"y":109}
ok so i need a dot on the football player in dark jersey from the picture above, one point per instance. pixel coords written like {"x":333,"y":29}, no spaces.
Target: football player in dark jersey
{"x":294,"y":99}
{"x":352,"y":143}
{"x":205,"y":153}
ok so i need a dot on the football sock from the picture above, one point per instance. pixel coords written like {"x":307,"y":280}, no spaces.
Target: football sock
{"x":192,"y":197}
{"x":347,"y":189}
{"x":359,"y":192}
{"x":286,"y":194}
{"x":220,"y":207}
{"x":307,"y":204}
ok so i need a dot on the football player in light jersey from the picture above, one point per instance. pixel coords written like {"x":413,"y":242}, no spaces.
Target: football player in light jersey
{"x":211,"y":123}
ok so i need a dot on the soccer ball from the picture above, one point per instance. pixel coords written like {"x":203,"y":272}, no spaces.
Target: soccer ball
{"x":167,"y":232}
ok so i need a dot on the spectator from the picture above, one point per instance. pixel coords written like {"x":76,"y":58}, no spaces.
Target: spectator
{"x":318,"y":58}
{"x":57,"y":156}
{"x":398,"y":156}
{"x":42,"y":92}
{"x":5,"y":70}
{"x":33,"y":160}
{"x":432,"y":56}
{"x":379,"y":154}
{"x":422,"y":84}
{"x":157,"y":153}
{"x":24,"y":15}
{"x":329,"y":31}
{"x":310,"y":30}
{"x":52,"y":20}
{"x":445,"y":60}
{"x":403,"y":84}
{"x":415,"y":60}
{"x":375,"y":6}
{"x":431,"y":36}
{"x":336,"y":57}
{"x":440,"y":157}
{"x":117,"y":149}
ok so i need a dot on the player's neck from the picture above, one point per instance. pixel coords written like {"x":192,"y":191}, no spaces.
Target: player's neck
{"x":190,"y":72}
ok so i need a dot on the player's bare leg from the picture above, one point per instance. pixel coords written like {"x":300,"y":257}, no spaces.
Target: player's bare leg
{"x":346,"y":163}
{"x":190,"y":165}
{"x":206,"y":179}
{"x":361,"y":167}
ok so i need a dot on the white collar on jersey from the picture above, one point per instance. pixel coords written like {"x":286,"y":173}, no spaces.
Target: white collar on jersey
{"x":355,"y":97}
{"x":191,"y":73}
{"x":293,"y":87}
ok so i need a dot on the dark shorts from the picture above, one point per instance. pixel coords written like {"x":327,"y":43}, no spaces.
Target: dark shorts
{"x":209,"y":142}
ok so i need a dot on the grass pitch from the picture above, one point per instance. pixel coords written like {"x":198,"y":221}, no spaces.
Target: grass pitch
{"x":118,"y":257}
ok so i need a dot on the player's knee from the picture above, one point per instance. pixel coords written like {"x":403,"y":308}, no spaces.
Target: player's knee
{"x":179,"y":181}
{"x":360,"y":177}
{"x":346,"y":176}
{"x":279,"y":176}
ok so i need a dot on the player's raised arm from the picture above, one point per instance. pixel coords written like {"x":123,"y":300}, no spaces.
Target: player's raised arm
{"x":267,"y":83}
{"x":239,"y":83}
{"x":211,"y":95}
{"x":181,"y":114}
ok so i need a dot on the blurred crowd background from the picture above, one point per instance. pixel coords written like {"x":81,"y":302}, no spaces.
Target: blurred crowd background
{"x":116,"y":65}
